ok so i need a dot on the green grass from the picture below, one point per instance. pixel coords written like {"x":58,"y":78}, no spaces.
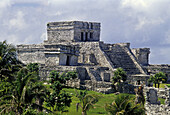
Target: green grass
{"x":162,"y":100}
{"x":168,"y":85}
{"x":162,"y":85}
{"x":99,"y":106}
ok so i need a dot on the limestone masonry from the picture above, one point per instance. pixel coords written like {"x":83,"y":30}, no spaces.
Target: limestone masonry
{"x":76,"y":46}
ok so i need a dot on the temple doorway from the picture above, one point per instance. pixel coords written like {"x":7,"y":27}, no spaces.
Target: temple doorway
{"x":68,"y":60}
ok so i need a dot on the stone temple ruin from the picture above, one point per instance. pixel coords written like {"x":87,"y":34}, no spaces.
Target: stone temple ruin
{"x":76,"y":46}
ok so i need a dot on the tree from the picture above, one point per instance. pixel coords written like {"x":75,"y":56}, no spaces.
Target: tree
{"x":158,"y":78}
{"x":124,"y":105}
{"x":58,"y":100}
{"x":118,"y":79}
{"x":87,"y":101}
{"x":8,"y":61}
{"x":152,"y":80}
{"x":26,"y":91}
{"x":119,"y":76}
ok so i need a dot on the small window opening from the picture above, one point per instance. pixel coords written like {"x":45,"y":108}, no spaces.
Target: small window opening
{"x":91,"y":26}
{"x":87,"y":26}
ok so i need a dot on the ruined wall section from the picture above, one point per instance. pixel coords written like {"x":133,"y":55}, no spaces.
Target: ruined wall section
{"x":31,"y":53}
{"x":142,"y":55}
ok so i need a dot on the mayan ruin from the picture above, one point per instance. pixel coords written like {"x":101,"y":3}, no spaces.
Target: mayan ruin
{"x":80,"y":57}
{"x":76,"y":45}
{"x":73,"y":56}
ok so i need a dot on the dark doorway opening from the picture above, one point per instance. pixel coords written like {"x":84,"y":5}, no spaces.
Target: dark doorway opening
{"x":138,"y":82}
{"x":82,"y":38}
{"x":86,"y":36}
{"x":91,"y":35}
{"x":68,"y":60}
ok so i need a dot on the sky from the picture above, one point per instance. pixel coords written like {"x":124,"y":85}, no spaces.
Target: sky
{"x":143,"y":23}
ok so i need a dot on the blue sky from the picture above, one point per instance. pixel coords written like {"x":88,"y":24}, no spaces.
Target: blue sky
{"x":143,"y":23}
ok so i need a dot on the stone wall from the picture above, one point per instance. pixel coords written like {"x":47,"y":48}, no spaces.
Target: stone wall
{"x":142,"y":55}
{"x":31,"y":53}
{"x":60,"y":31}
{"x":153,"y":106}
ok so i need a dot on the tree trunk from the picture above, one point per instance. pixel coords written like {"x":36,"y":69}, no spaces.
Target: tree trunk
{"x":155,"y":85}
{"x":158,"y":85}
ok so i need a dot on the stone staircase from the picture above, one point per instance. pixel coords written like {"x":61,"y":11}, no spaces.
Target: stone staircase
{"x":120,"y":55}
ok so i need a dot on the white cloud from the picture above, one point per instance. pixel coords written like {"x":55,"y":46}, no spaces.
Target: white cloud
{"x":5,"y":3}
{"x":135,"y":4}
{"x":43,"y":36}
{"x":143,"y":23}
{"x":18,"y":22}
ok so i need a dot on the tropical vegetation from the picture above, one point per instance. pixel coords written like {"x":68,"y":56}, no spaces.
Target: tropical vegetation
{"x":58,"y":100}
{"x":157,"y":79}
{"x":124,"y":105}
{"x":86,"y":101}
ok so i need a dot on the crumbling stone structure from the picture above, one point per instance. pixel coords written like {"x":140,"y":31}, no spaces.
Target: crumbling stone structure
{"x":153,"y":106}
{"x":153,"y":69}
{"x":76,"y":45}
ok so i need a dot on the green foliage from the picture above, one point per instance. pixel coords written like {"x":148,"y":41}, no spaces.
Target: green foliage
{"x":98,"y":108}
{"x":119,"y":75}
{"x":26,"y":90}
{"x":7,"y":54}
{"x":161,"y":100}
{"x":58,"y":100}
{"x":158,"y":78}
{"x":168,"y":85}
{"x":123,"y":105}
{"x":87,"y":101}
{"x":33,"y":67}
{"x":8,"y":61}
{"x":151,"y":79}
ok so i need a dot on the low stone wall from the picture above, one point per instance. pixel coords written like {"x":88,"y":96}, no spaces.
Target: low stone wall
{"x":157,"y":109}
{"x":152,"y":105}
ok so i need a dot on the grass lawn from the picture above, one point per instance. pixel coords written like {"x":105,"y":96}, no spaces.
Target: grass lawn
{"x":168,"y":85}
{"x":99,"y":106}
{"x":162,"y":85}
{"x":162,"y":100}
